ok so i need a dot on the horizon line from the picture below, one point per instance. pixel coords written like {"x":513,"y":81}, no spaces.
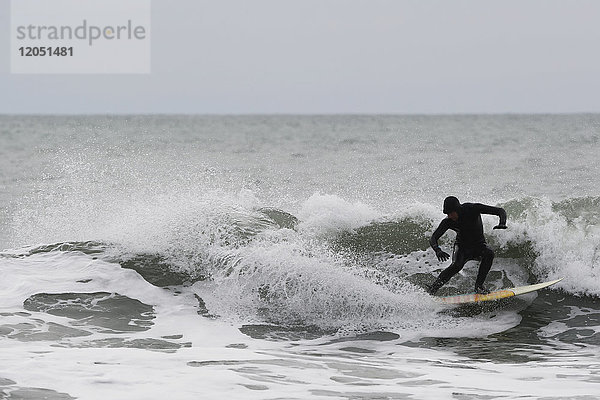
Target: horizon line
{"x":299,"y":114}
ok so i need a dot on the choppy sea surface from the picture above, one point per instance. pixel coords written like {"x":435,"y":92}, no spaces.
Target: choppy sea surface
{"x":283,"y":257}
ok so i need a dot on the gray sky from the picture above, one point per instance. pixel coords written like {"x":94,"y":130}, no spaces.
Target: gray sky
{"x":340,"y":56}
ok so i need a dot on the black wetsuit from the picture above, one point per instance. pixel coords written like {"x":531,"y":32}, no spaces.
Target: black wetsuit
{"x":470,"y":241}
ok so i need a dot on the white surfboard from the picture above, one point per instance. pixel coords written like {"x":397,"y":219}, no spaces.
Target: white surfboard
{"x":497,"y":295}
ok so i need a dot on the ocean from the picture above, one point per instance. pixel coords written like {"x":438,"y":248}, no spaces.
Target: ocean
{"x":284,"y":257}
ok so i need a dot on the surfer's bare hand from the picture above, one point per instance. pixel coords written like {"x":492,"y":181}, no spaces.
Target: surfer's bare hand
{"x":500,"y":227}
{"x":442,"y":255}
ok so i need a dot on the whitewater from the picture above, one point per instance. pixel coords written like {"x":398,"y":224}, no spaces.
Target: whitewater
{"x":284,"y":257}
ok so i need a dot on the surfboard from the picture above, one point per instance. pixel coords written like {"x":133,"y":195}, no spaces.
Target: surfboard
{"x":497,"y":295}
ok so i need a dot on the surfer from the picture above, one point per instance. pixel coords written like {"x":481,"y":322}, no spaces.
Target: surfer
{"x":465,"y":220}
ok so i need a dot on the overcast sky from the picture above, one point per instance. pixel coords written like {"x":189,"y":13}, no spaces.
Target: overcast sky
{"x":340,"y":56}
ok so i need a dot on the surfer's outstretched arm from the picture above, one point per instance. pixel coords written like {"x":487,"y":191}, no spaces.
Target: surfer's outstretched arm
{"x":433,"y":240}
{"x":499,"y":211}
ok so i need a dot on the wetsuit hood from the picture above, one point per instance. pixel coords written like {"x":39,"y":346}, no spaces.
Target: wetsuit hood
{"x":451,"y":203}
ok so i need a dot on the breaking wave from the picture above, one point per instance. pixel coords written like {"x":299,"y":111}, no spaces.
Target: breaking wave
{"x":335,"y":264}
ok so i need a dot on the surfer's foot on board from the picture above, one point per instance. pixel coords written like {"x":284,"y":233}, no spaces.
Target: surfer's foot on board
{"x":431,"y":289}
{"x":481,"y":290}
